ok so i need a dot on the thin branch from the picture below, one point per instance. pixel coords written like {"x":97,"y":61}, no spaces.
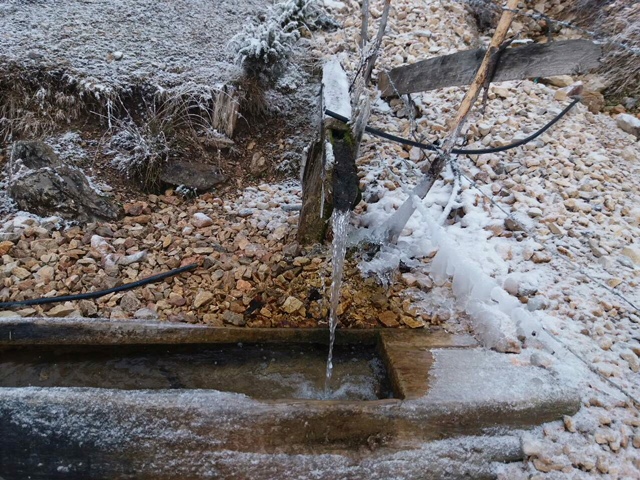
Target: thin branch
{"x":364,"y":28}
{"x":371,"y":61}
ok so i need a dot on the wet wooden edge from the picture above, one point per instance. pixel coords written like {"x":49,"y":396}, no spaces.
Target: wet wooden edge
{"x":98,"y":331}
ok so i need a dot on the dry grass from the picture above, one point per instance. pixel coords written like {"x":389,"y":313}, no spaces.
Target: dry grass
{"x":144,"y":141}
{"x":143,"y":130}
{"x":33,"y":106}
{"x":619,"y":23}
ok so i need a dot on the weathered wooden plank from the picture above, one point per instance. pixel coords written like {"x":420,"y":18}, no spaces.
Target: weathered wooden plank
{"x":330,"y":179}
{"x":566,"y":57}
{"x":97,"y":331}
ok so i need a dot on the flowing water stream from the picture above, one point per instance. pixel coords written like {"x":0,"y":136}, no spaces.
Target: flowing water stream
{"x":340,"y":221}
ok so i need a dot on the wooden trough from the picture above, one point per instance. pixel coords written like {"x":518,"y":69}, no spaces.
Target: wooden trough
{"x":91,"y":433}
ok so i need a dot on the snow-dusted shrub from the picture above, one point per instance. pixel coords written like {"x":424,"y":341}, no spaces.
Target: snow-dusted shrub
{"x":141,"y":151}
{"x":264,"y":48}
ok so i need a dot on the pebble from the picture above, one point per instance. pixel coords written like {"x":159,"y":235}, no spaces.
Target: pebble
{"x":200,"y":220}
{"x":629,"y":124}
{"x":129,"y":302}
{"x":569,"y":425}
{"x":534,"y":212}
{"x":234,"y":318}
{"x":388,"y":318}
{"x":541,"y":257}
{"x":146,"y":314}
{"x":62,"y":310}
{"x":292,"y":305}
{"x":5,"y":247}
{"x":632,"y":254}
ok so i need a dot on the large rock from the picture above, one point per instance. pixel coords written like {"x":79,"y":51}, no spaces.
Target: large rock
{"x":593,"y":100}
{"x":41,"y":184}
{"x":559,"y":80}
{"x":629,"y":124}
{"x":199,"y":176}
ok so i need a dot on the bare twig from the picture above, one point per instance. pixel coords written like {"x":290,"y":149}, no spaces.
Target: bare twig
{"x":364,"y":28}
{"x":394,"y":226}
{"x":371,"y":61}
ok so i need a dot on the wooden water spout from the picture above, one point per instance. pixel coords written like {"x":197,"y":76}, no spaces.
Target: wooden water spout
{"x":330,"y":179}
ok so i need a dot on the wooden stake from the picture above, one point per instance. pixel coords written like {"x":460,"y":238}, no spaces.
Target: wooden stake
{"x":364,"y":27}
{"x":394,"y":226}
{"x":374,"y":54}
{"x":474,"y":89}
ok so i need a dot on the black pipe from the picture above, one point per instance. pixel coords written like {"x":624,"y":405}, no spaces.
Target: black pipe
{"x":100,"y":293}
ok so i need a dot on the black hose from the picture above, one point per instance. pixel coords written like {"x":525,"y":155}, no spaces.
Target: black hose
{"x":101,"y":293}
{"x":460,"y":151}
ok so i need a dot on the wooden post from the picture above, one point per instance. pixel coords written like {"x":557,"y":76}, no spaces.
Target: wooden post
{"x":330,"y":179}
{"x":394,"y":226}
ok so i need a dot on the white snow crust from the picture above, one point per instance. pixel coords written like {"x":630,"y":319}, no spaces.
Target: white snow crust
{"x":335,"y":85}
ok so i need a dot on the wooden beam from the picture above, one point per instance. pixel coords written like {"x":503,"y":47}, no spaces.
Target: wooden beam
{"x":567,"y":57}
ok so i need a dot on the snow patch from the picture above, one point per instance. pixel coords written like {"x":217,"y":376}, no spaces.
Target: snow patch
{"x":335,"y":86}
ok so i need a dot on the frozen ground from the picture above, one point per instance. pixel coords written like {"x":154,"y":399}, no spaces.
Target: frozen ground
{"x":109,"y":45}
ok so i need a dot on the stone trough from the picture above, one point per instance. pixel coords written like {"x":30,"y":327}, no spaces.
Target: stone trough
{"x":453,"y":409}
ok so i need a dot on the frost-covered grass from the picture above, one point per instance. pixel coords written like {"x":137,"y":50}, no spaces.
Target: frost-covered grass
{"x":140,"y":152}
{"x":141,"y":149}
{"x":79,"y":58}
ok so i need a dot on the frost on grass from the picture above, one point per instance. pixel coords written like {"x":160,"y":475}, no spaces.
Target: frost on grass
{"x":65,"y":64}
{"x":139,"y":153}
{"x":163,"y":42}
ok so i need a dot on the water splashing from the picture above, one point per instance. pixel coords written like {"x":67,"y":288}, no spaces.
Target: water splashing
{"x":340,"y":222}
